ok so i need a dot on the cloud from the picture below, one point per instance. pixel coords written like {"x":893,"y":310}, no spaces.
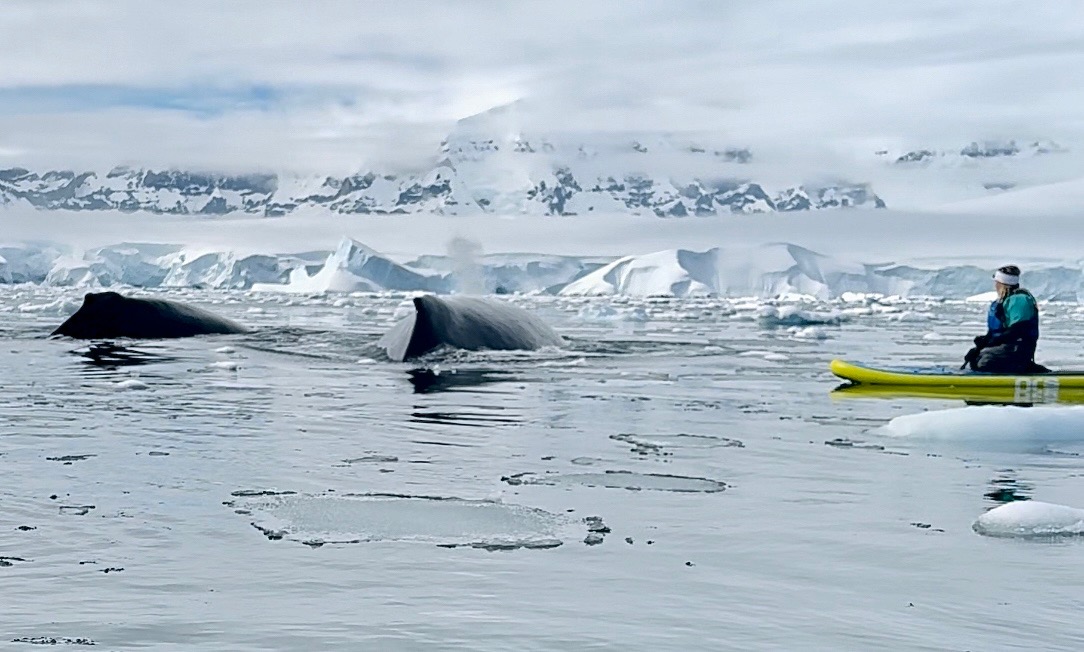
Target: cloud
{"x":342,"y":84}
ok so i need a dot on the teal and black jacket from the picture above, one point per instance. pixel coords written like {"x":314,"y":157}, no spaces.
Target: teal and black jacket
{"x":1014,"y":319}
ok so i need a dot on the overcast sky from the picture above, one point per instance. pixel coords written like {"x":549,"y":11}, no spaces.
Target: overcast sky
{"x":339,"y":85}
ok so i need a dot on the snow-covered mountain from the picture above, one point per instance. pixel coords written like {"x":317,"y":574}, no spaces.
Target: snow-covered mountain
{"x":977,"y":151}
{"x":495,"y":162}
{"x":475,"y":172}
{"x":445,"y":189}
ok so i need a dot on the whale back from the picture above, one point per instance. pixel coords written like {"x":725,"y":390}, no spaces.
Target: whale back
{"x":468,"y":323}
{"x":108,"y":314}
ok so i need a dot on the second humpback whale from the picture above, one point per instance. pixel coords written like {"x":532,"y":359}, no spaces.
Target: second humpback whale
{"x":465,"y":323}
{"x":108,"y":314}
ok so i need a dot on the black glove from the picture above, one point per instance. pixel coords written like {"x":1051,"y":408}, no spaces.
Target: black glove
{"x":971,"y":358}
{"x":981,"y":341}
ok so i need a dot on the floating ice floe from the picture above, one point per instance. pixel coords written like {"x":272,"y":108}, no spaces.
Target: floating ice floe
{"x":1031,"y":519}
{"x":319,"y":519}
{"x":1032,"y":428}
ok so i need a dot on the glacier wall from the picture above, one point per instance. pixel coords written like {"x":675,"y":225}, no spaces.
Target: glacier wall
{"x":763,"y":271}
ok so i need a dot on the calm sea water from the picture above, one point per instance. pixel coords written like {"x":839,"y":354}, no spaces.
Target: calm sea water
{"x":663,"y":483}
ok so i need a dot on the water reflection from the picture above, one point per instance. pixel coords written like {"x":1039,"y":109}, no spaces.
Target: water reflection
{"x":1006,"y":487}
{"x":969,"y":395}
{"x":427,"y":381}
{"x":109,"y":356}
{"x":473,"y":416}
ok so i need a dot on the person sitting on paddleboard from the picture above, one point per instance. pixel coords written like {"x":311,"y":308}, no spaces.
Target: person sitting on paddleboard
{"x":1012,"y":323}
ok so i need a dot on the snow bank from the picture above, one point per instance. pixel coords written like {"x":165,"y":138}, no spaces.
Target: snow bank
{"x":996,"y":425}
{"x":1029,"y":518}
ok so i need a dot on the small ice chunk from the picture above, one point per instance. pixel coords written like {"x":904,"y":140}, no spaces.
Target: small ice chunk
{"x":131,"y":383}
{"x":859,"y":297}
{"x":808,"y":333}
{"x":794,"y":316}
{"x":884,"y":309}
{"x":226,"y":365}
{"x":911,"y":316}
{"x":1031,"y":518}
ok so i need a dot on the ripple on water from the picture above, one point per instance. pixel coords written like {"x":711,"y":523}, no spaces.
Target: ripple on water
{"x":622,"y":480}
{"x":656,"y":444}
{"x":318,"y":519}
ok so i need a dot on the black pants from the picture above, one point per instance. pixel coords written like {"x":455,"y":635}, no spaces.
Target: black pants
{"x":1008,"y":358}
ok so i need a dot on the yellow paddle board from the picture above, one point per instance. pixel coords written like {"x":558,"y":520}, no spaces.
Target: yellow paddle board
{"x":944,"y":382}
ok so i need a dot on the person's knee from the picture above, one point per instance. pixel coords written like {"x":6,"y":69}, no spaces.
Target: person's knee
{"x":1000,"y":359}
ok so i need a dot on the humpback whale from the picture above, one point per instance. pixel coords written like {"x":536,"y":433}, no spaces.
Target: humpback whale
{"x":108,"y":314}
{"x":465,"y":323}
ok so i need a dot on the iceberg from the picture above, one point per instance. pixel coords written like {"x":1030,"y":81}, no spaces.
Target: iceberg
{"x":769,"y":270}
{"x":135,"y":264}
{"x":509,"y":273}
{"x":226,"y":270}
{"x":29,"y":263}
{"x":781,"y":269}
{"x":675,"y":272}
{"x":354,"y":267}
